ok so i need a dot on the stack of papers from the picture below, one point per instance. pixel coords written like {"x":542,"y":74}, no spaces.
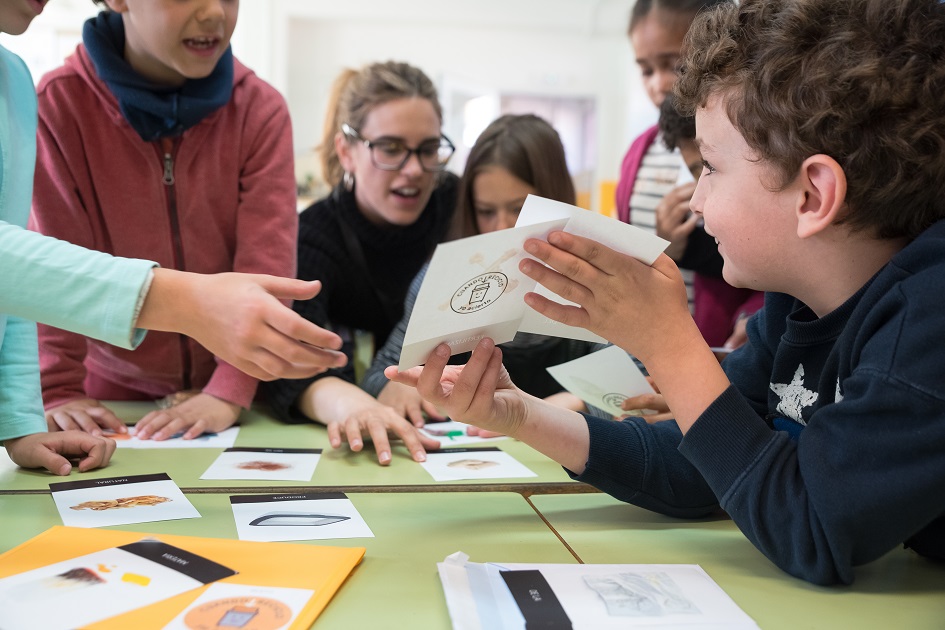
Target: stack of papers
{"x":578,"y":596}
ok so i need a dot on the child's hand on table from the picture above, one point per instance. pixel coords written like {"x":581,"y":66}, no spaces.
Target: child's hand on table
{"x":193,"y":416}
{"x":84,"y":414}
{"x":407,"y":402}
{"x":53,"y":451}
{"x":378,"y":422}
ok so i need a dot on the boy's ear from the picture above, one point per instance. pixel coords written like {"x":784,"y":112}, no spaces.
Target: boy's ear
{"x":824,"y":189}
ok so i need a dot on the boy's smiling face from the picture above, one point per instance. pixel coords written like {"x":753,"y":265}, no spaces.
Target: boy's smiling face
{"x":754,"y":227}
{"x":170,"y":41}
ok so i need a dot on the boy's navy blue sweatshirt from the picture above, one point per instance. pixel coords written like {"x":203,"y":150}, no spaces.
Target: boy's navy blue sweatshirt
{"x":828,"y":450}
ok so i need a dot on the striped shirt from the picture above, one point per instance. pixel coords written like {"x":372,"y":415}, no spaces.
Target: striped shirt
{"x":658,"y":174}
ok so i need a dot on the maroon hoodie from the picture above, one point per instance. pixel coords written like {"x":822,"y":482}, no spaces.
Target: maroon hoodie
{"x":221,"y":197}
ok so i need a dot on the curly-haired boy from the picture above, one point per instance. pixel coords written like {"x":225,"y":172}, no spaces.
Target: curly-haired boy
{"x":823,"y":135}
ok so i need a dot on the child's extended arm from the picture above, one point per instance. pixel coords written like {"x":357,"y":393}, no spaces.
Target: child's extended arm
{"x":643,"y":309}
{"x":481,"y":393}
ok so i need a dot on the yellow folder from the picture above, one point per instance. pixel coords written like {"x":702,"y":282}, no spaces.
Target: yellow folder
{"x":273,"y":564}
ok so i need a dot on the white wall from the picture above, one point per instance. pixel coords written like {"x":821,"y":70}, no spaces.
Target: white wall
{"x":568,"y":48}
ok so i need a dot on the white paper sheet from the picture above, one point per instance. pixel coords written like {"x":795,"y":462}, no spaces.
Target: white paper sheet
{"x":474,"y":289}
{"x":121,"y":501}
{"x":302,"y":516}
{"x":223,"y":439}
{"x":86,"y":589}
{"x":590,"y":596}
{"x":452,"y":433}
{"x":473,"y":463}
{"x":603,"y":379}
{"x":265,"y":464}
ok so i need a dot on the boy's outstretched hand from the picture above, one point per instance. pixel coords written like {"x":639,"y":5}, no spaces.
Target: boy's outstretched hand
{"x":479,"y":393}
{"x":238,"y":317}
{"x":53,"y":451}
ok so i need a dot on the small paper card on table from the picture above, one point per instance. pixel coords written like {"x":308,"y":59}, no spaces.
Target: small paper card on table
{"x":223,"y":439}
{"x":86,"y":589}
{"x":282,"y":517}
{"x":225,"y":605}
{"x":452,"y":433}
{"x":603,"y":379}
{"x":121,"y":501}
{"x":473,"y":463}
{"x":267,"y":464}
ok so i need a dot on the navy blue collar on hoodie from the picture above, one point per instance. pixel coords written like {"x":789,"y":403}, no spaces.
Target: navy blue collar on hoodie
{"x":154,"y":111}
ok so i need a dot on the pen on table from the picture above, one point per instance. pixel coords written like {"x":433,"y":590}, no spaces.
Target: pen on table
{"x":443,"y":433}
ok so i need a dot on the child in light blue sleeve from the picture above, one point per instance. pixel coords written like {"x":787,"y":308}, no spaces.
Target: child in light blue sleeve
{"x":237,"y":316}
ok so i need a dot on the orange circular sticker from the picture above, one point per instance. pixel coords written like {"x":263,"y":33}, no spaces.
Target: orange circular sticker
{"x":246,"y":613}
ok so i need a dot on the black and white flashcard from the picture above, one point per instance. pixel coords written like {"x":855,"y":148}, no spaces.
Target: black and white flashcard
{"x":265,"y":464}
{"x":121,"y":501}
{"x":473,"y":463}
{"x":284,"y":517}
{"x":603,"y":379}
{"x":223,"y":439}
{"x":86,"y":589}
{"x":226,"y":605}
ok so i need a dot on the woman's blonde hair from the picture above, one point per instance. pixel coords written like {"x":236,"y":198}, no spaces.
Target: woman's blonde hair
{"x":356,"y":92}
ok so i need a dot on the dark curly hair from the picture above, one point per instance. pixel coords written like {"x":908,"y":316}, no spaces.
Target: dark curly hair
{"x":859,"y":80}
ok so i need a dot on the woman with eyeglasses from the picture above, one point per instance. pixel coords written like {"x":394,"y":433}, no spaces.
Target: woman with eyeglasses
{"x":392,"y":202}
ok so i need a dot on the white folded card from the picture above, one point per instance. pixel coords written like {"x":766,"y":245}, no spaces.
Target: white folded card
{"x":473,"y":287}
{"x":603,"y":379}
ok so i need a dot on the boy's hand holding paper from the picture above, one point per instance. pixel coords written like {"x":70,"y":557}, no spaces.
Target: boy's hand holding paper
{"x":475,"y":287}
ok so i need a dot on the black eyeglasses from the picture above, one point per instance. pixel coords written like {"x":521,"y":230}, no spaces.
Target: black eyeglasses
{"x":391,"y":154}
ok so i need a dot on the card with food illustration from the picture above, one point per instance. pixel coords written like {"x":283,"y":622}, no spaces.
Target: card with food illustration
{"x":473,"y":463}
{"x":302,"y":516}
{"x":121,"y":501}
{"x":89,"y":588}
{"x":451,"y":433}
{"x":604,"y":379}
{"x":266,"y":464}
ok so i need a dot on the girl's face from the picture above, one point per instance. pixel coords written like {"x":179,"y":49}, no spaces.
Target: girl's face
{"x":657,"y":40}
{"x":392,"y":197}
{"x":170,"y":41}
{"x":16,"y":15}
{"x":498,"y":197}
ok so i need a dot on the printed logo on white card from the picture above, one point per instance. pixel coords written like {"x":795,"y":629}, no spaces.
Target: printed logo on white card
{"x":480,"y":292}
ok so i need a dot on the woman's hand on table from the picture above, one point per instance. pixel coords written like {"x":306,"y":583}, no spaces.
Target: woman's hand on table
{"x":84,"y":414}
{"x":53,"y":451}
{"x":407,"y":402}
{"x":378,"y":422}
{"x":195,"y":415}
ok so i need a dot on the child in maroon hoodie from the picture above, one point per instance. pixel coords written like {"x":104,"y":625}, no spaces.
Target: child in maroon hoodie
{"x":154,"y":142}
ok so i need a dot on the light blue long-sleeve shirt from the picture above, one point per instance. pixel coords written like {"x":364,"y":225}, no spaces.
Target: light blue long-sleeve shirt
{"x":43,"y":279}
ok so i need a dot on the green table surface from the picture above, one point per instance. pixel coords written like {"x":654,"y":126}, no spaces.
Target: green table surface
{"x":900,"y":590}
{"x":337,"y":468}
{"x":396,"y":585}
